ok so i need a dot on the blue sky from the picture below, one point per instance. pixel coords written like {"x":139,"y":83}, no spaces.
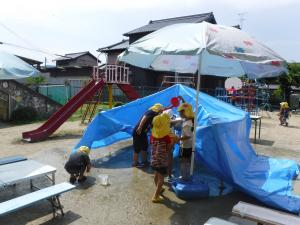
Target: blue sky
{"x":66,"y":26}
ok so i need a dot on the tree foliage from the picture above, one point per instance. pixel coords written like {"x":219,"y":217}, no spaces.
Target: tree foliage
{"x":293,"y":76}
{"x":35,"y":80}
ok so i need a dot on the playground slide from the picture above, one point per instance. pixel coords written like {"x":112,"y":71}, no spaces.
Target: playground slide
{"x":129,"y":91}
{"x":61,"y":115}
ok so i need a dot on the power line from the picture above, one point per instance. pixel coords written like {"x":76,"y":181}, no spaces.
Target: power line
{"x":18,"y":36}
{"x":41,"y":51}
{"x":242,"y":18}
{"x":33,"y":47}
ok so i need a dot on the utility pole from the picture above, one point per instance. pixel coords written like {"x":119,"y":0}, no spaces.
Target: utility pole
{"x":242,"y":18}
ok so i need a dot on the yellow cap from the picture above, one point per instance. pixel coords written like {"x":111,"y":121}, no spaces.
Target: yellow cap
{"x":157,"y":107}
{"x":161,"y":126}
{"x":188,"y":110}
{"x":284,"y":105}
{"x":84,"y":149}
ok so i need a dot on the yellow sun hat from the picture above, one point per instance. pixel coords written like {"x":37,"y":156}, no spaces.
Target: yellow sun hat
{"x":188,"y":110}
{"x":284,"y":105}
{"x":84,"y":149}
{"x":161,"y":125}
{"x":157,"y":107}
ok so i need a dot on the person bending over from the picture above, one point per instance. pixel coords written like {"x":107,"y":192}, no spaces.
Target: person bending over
{"x":78,"y":163}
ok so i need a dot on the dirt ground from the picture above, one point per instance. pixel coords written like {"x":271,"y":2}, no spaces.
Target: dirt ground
{"x":127,"y":199}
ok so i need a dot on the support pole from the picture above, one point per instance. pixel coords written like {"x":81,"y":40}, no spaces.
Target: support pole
{"x":110,"y":97}
{"x":196,"y":113}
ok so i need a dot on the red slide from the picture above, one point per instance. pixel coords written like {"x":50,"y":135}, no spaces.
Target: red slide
{"x":129,"y":91}
{"x":61,"y":115}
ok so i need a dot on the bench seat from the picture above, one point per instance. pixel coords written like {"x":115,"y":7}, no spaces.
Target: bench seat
{"x":217,"y":221}
{"x":12,"y":159}
{"x":33,"y":197}
{"x":263,"y":215}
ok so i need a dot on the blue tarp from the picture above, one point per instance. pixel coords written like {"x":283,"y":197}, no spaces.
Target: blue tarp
{"x":223,"y":145}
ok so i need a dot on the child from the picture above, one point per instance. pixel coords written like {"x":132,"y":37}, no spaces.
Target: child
{"x":174,"y":140}
{"x":284,"y":113}
{"x":140,"y":139}
{"x":78,"y":163}
{"x":160,"y":141}
{"x":186,"y":140}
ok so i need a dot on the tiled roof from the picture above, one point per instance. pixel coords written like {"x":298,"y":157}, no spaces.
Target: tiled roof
{"x":73,"y":56}
{"x":118,"y":46}
{"x":30,"y":61}
{"x":154,"y":25}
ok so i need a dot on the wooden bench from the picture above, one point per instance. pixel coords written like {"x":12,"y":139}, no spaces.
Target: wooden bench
{"x":264,"y":216}
{"x":50,"y":193}
{"x":217,"y":221}
{"x":12,"y":159}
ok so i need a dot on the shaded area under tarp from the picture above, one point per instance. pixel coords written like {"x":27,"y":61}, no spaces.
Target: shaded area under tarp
{"x":222,"y":146}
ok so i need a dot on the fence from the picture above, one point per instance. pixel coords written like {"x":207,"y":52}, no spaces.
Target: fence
{"x":58,"y":93}
{"x":62,"y":93}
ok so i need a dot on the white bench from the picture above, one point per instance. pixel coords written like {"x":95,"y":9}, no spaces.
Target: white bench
{"x":12,"y":159}
{"x":217,"y":221}
{"x":50,"y":193}
{"x":262,"y":215}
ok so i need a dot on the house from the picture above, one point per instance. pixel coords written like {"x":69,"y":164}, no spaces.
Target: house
{"x":71,"y":66}
{"x":36,"y":64}
{"x":146,"y":78}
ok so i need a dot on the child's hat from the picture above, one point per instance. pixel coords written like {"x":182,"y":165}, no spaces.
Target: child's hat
{"x":284,"y":105}
{"x":188,"y":110}
{"x":157,"y":107}
{"x":84,"y":149}
{"x":161,"y":125}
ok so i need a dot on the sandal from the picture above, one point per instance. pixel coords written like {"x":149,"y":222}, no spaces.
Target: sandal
{"x":81,"y":180}
{"x":134,"y":164}
{"x":157,"y":200}
{"x":72,"y":180}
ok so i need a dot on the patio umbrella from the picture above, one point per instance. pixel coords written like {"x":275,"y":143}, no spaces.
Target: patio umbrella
{"x":207,"y":49}
{"x":12,"y":67}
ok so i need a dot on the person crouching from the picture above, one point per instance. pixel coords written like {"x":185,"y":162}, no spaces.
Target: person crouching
{"x":160,"y":142}
{"x":78,"y":163}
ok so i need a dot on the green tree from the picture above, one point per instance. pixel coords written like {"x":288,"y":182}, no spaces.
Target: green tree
{"x":294,"y":74}
{"x":35,"y":80}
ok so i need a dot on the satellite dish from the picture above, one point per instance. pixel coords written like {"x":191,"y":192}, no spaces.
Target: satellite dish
{"x":233,"y":82}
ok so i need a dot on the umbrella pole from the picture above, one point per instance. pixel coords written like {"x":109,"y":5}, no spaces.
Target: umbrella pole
{"x":196,"y":114}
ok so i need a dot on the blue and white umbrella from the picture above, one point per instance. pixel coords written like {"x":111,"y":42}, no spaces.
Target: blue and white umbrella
{"x":204,"y":48}
{"x":12,"y":67}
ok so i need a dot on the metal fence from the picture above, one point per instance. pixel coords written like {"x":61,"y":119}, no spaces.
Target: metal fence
{"x":63,"y":93}
{"x":58,"y":93}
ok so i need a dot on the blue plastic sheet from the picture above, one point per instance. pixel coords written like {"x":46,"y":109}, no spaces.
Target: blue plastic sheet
{"x":222,"y":146}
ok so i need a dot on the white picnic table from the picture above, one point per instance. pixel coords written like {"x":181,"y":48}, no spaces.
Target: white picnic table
{"x":13,"y":173}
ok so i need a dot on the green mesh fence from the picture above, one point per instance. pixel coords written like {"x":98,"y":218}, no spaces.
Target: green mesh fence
{"x":58,"y":93}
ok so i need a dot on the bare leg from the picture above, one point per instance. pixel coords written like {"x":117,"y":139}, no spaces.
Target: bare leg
{"x":155,"y":179}
{"x":160,"y":182}
{"x":144,"y":156}
{"x":170,"y":163}
{"x":135,"y":159}
{"x":81,"y":177}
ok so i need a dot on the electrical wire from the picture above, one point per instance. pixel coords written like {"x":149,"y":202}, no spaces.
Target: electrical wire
{"x":33,"y":47}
